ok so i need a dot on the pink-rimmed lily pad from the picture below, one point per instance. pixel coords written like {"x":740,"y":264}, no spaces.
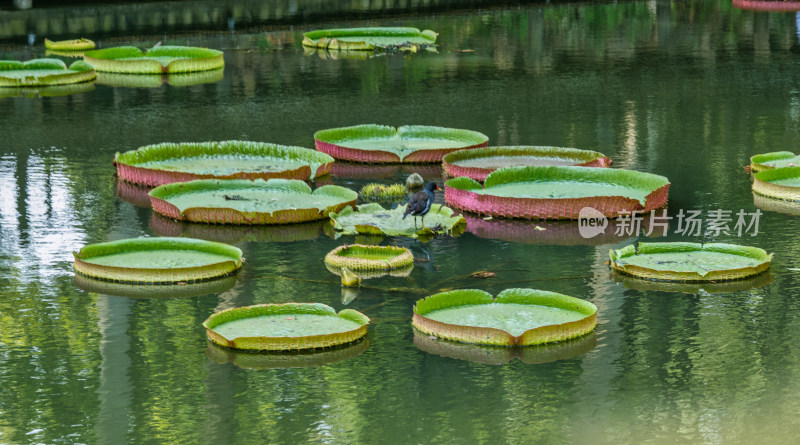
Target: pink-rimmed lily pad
{"x":239,"y":201}
{"x":558,"y":192}
{"x":385,"y":144}
{"x":157,"y":260}
{"x":287,"y":326}
{"x":168,"y":162}
{"x":767,"y":5}
{"x":480,"y":162}
{"x":516,"y":317}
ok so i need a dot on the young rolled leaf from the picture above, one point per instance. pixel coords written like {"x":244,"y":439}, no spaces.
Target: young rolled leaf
{"x":516,"y":317}
{"x":558,"y":192}
{"x":480,"y":162}
{"x":373,"y":219}
{"x":157,"y":260}
{"x":775,"y":159}
{"x":384,"y":144}
{"x":690,"y":262}
{"x":288,"y":326}
{"x":240,"y":201}
{"x":168,"y":162}
{"x":299,"y":359}
{"x":160,"y":59}
{"x":43,"y":72}
{"x":778,"y":183}
{"x":369,"y":39}
{"x":81,"y":44}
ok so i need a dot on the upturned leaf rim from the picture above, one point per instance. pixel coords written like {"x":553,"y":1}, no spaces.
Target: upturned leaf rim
{"x":499,"y":337}
{"x":156,"y":275}
{"x":617,"y":261}
{"x":268,"y":343}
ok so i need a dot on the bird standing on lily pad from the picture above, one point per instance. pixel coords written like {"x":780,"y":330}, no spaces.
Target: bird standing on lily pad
{"x":420,"y":204}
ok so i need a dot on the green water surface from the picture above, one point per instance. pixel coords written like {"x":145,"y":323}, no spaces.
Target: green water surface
{"x":510,"y":317}
{"x":285,"y":325}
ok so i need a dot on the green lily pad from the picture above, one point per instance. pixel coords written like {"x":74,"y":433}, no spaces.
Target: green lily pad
{"x":690,"y":261}
{"x":558,"y":192}
{"x":158,"y":164}
{"x":494,"y":355}
{"x":518,"y":317}
{"x":157,"y":260}
{"x":43,"y":72}
{"x":373,"y":219}
{"x":776,"y":159}
{"x":69,"y":45}
{"x":157,"y":60}
{"x":364,"y":39}
{"x":480,"y":162}
{"x":385,"y":144}
{"x":779,"y":183}
{"x":288,"y":326}
{"x":239,"y":201}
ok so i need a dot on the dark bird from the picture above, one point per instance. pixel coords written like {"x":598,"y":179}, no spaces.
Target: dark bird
{"x":420,"y":203}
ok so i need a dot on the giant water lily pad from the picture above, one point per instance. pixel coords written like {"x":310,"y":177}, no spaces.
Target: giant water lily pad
{"x":558,"y":192}
{"x":516,"y":317}
{"x":480,"y":162}
{"x":385,"y":144}
{"x":81,"y":44}
{"x":779,"y":183}
{"x":690,"y":261}
{"x":767,"y":5}
{"x":239,"y":201}
{"x":692,"y":287}
{"x":775,"y":159}
{"x":494,"y":355}
{"x":293,"y":359}
{"x":288,"y":326}
{"x":373,"y":219}
{"x":43,"y":72}
{"x":364,"y":39}
{"x":157,"y":260}
{"x":168,"y":162}
{"x":161,"y":59}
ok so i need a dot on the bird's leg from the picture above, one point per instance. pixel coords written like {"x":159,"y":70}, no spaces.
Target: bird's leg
{"x":415,"y":222}
{"x":423,"y":223}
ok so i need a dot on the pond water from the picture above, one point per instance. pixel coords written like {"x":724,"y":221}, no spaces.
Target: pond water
{"x":688,"y":90}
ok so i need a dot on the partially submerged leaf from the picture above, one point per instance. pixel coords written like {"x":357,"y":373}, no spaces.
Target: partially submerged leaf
{"x":373,"y":218}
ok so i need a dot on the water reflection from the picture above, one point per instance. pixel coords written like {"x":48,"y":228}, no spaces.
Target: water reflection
{"x":48,"y":91}
{"x":234,"y":234}
{"x":156,"y":80}
{"x":270,"y":360}
{"x":640,"y":284}
{"x":496,"y":355}
{"x":154,"y":290}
